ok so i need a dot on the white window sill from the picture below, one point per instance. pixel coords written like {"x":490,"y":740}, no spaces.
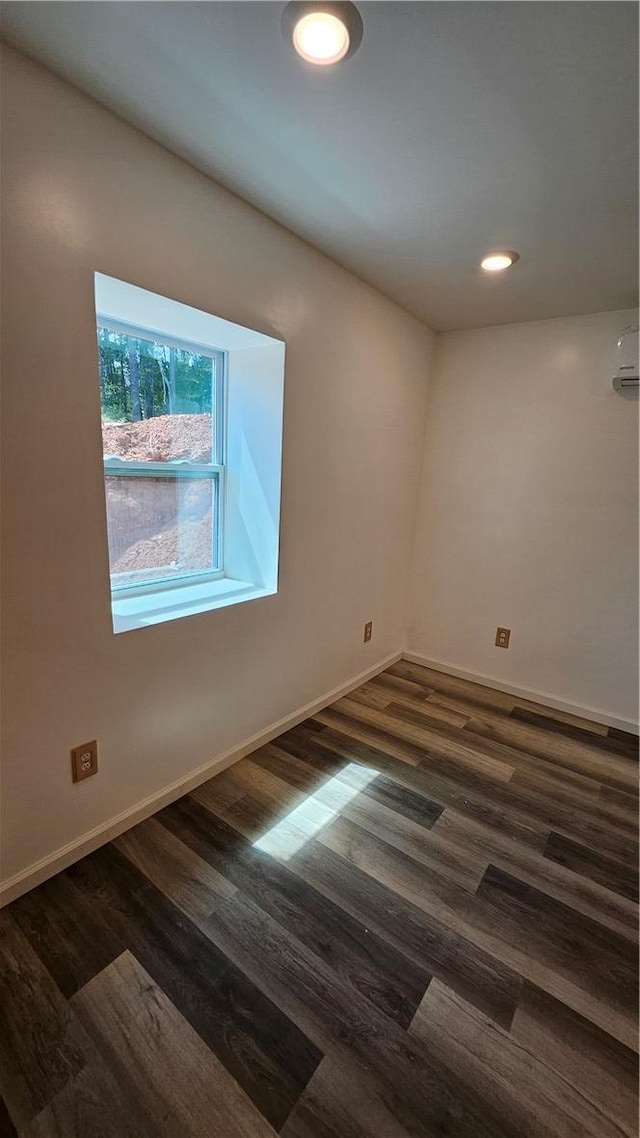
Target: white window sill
{"x":184,"y":600}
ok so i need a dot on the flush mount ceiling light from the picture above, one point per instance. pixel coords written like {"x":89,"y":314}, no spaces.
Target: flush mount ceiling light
{"x":322,"y":32}
{"x":497,"y":262}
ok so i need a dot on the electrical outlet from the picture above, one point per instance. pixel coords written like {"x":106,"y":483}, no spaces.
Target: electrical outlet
{"x":502,"y":637}
{"x":84,"y":761}
{"x":368,"y":631}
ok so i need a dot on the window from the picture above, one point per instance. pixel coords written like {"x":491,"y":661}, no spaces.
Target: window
{"x":191,"y":408}
{"x":163,"y":444}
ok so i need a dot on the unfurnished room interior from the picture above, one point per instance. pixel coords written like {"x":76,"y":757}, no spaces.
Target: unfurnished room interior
{"x":319,"y":776}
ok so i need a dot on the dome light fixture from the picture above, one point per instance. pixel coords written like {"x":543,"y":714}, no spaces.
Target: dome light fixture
{"x":497,"y":262}
{"x":322,"y":31}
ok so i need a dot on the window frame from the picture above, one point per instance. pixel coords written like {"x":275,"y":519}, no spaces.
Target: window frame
{"x":181,"y":469}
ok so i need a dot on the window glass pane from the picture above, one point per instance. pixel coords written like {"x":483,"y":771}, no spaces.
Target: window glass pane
{"x":158,"y":402}
{"x":160,"y":528}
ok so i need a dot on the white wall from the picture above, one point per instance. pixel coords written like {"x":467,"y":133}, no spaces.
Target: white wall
{"x":528,"y":512}
{"x":83,"y":192}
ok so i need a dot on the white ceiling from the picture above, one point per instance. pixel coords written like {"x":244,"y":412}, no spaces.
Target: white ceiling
{"x":456,"y":128}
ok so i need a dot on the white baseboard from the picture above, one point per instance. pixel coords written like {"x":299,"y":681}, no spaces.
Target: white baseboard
{"x":596,"y":714}
{"x":41,"y":870}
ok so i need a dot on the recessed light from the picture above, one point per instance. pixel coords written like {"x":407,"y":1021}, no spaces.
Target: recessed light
{"x":496,"y":262}
{"x":322,"y":32}
{"x":321,"y":38}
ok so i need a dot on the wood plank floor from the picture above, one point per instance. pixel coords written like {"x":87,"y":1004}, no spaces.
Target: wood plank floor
{"x":413,"y":915}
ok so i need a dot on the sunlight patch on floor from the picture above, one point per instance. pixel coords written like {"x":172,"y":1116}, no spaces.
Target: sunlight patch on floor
{"x":302,"y":823}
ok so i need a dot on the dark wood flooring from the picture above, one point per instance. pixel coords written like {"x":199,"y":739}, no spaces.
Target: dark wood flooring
{"x":414,"y":914}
